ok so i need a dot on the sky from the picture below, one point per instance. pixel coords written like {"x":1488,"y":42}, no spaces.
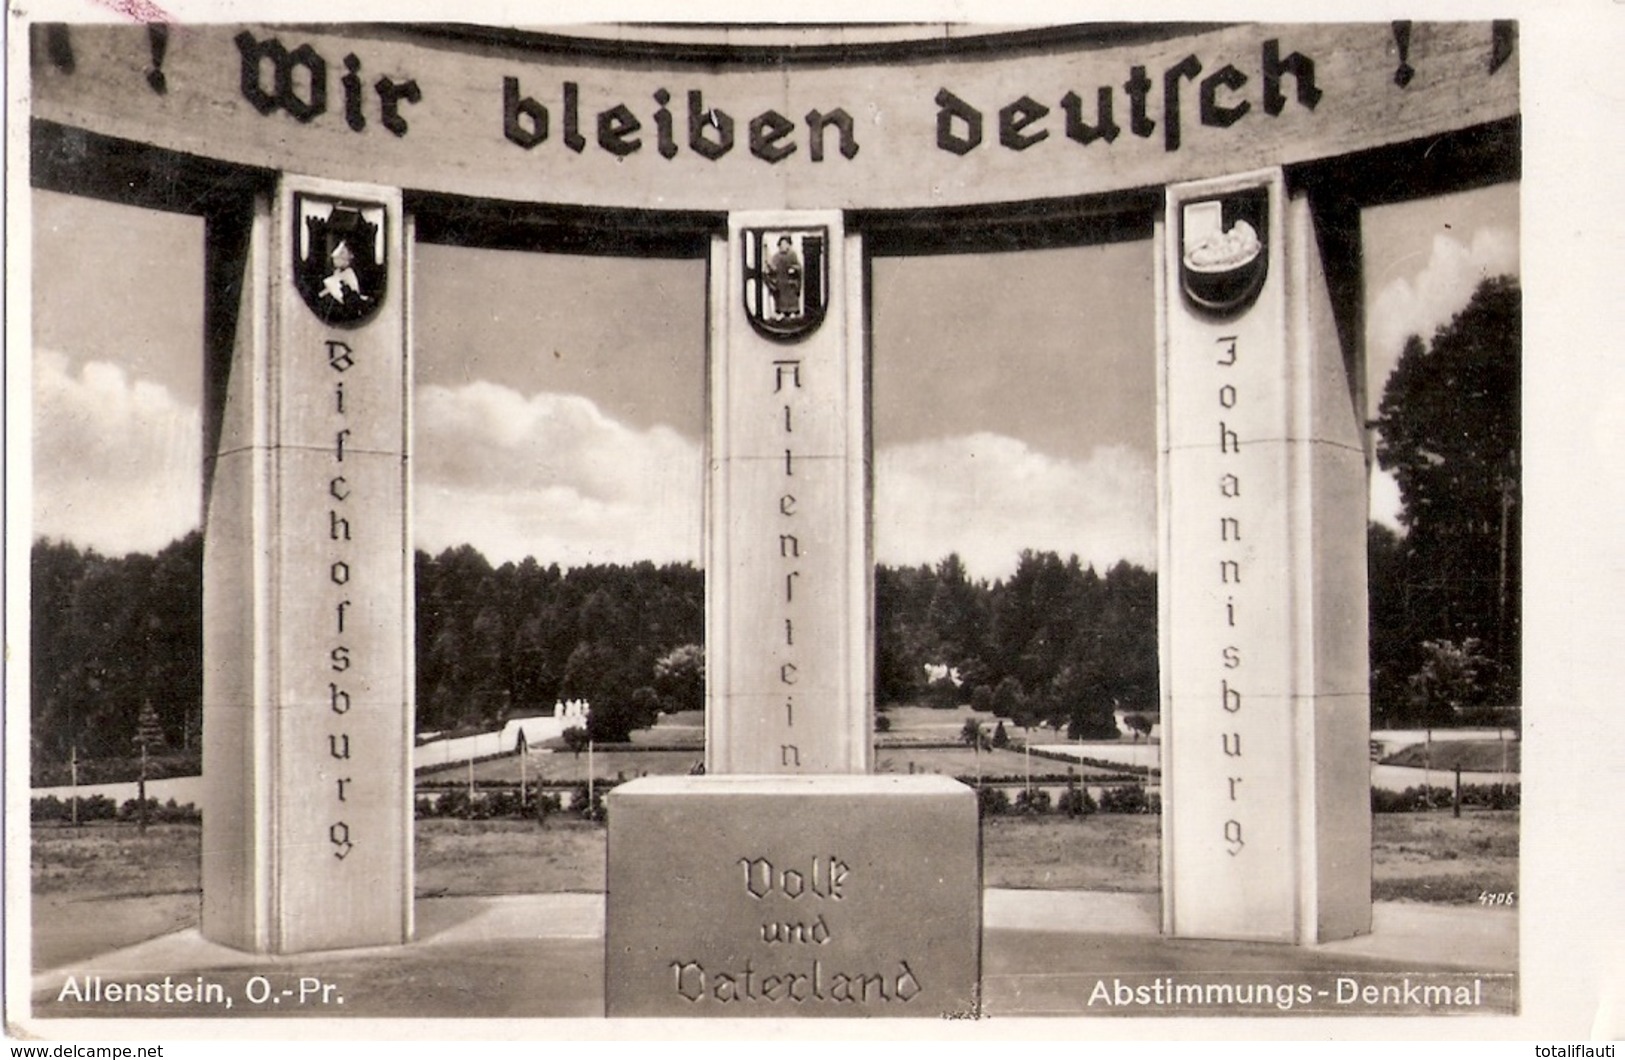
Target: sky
{"x":118,"y":376}
{"x":559,"y":406}
{"x":1422,"y":262}
{"x":559,"y":402}
{"x":1015,"y":407}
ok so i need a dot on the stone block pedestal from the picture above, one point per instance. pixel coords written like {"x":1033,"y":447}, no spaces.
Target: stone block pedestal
{"x":782,"y":896}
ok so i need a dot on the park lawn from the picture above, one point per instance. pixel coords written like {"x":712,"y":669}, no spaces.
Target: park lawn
{"x":456,"y":857}
{"x":1470,"y":756}
{"x":562,"y":767}
{"x":106,"y":885}
{"x":967,"y":762}
{"x":1439,"y":858}
{"x":103,"y":886}
{"x":1101,"y":852}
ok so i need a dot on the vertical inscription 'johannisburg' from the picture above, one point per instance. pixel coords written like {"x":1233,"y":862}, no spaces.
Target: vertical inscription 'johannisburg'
{"x":1230,"y":582}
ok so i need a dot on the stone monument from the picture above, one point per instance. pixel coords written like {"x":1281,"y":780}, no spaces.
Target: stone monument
{"x":307,"y":838}
{"x":791,"y":175}
{"x":1267,"y":826}
{"x":788,"y":881}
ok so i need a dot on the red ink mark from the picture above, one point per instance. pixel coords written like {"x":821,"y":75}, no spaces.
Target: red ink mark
{"x":138,"y":10}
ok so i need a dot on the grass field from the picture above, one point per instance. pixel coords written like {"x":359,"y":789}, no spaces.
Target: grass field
{"x":103,"y":886}
{"x":1483,"y":756}
{"x":566,"y":768}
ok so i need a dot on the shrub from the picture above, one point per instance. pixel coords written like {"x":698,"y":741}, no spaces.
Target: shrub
{"x":1494,"y":796}
{"x":48,"y":808}
{"x":1076,"y":802}
{"x":166,"y":813}
{"x":1420,"y":800}
{"x":580,"y":805}
{"x":992,"y":802}
{"x":1031,"y":800}
{"x":453,"y":802}
{"x":504,"y":802}
{"x":1129,"y":798}
{"x":575,"y":738}
{"x":1411,"y":800}
{"x":91,"y":808}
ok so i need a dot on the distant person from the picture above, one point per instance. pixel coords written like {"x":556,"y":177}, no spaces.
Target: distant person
{"x":784,"y":274}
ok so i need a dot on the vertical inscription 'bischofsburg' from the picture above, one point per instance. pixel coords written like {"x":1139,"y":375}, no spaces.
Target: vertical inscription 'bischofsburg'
{"x":341,"y":359}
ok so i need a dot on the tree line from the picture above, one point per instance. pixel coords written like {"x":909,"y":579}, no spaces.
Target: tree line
{"x":496,"y":642}
{"x":1446,"y":594}
{"x":1055,"y":641}
{"x":117,"y":637}
{"x":109,"y":637}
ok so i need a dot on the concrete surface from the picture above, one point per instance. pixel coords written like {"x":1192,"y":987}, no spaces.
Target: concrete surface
{"x":1045,"y":953}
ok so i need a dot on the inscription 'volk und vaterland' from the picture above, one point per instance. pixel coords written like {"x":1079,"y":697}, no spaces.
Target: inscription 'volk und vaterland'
{"x":824,"y":880}
{"x":340,"y":512}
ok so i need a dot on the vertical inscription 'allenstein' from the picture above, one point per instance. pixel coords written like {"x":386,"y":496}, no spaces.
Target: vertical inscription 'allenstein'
{"x":787,"y":389}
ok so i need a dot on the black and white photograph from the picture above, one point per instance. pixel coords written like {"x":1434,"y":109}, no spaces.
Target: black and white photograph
{"x":977,"y":526}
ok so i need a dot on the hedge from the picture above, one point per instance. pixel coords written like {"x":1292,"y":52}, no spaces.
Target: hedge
{"x":49,"y":808}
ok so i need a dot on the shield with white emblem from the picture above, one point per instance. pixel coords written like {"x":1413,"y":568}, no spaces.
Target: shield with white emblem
{"x":340,"y":266}
{"x":1224,"y":250}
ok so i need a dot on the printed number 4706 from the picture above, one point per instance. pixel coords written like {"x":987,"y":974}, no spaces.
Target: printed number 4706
{"x":1497,"y":898}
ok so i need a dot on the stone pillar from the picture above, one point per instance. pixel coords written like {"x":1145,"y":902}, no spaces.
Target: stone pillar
{"x":748,"y":892}
{"x":307,"y":829}
{"x":1262,"y":575}
{"x":788,"y":626}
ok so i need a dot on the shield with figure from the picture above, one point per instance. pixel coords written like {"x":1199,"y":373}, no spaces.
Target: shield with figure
{"x":1224,"y":250}
{"x":340,"y":265}
{"x":786,"y":280}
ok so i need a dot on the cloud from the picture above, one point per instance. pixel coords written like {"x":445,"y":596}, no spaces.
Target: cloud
{"x":117,"y":467}
{"x":988,"y":496}
{"x":117,"y":460}
{"x":1420,"y":305}
{"x":550,"y":475}
{"x":1385,"y":503}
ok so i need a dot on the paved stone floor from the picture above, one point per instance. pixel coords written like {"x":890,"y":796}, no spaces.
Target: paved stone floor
{"x":1044,"y":953}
